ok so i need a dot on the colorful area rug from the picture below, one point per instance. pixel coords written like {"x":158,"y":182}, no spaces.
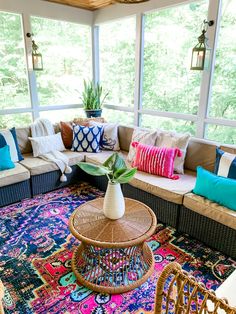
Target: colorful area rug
{"x":35,"y":259}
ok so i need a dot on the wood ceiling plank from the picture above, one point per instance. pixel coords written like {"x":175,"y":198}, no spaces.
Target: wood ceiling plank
{"x":84,"y":4}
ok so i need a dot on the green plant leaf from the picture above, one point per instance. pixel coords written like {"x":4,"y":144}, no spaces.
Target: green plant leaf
{"x":110,"y":161}
{"x":126,"y":176}
{"x":119,"y":172}
{"x":119,"y":163}
{"x":94,"y":169}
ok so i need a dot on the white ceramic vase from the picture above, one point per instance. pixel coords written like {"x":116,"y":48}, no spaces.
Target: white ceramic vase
{"x":114,"y":203}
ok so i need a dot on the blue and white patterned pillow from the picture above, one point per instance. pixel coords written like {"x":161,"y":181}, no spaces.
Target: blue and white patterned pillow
{"x":225,"y":165}
{"x":86,"y":139}
{"x":8,"y":137}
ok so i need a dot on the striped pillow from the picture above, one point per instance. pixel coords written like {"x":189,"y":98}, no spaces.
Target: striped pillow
{"x":156,"y":160}
{"x":8,"y":137}
{"x":225,"y":165}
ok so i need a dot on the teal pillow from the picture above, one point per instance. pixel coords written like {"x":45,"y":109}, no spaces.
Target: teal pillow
{"x":5,"y":158}
{"x":217,"y":189}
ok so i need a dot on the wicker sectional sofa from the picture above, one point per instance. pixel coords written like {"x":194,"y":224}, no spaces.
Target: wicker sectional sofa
{"x":171,"y":200}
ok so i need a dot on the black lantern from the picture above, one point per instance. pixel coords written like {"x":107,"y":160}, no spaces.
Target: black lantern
{"x":37,"y":59}
{"x":201,"y":52}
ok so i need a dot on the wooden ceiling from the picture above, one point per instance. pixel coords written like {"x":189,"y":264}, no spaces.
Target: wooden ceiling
{"x":85,"y":4}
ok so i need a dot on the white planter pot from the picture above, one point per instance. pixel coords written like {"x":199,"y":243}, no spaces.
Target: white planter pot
{"x":114,"y":203}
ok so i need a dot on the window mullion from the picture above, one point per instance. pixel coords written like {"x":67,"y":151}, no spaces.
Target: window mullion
{"x":207,"y":76}
{"x":138,"y":67}
{"x":31,"y":75}
{"x":95,"y":53}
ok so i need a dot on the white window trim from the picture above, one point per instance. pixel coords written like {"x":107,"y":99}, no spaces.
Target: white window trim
{"x":79,"y":16}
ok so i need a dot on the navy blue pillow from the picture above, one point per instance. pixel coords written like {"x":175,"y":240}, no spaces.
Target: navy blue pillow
{"x":8,"y":137}
{"x":225,"y":165}
{"x":86,"y":139}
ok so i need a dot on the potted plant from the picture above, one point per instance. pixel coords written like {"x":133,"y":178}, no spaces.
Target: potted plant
{"x":92,"y":99}
{"x":117,"y":173}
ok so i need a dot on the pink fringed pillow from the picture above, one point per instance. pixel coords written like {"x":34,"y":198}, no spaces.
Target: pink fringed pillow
{"x":156,"y":160}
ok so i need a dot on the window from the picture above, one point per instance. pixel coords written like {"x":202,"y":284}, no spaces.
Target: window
{"x":170,"y":34}
{"x":170,"y":124}
{"x":124,"y":118}
{"x":62,"y":114}
{"x":14,"y":92}
{"x":117,"y":61}
{"x":16,"y":120}
{"x":66,"y":50}
{"x":223,"y":102}
{"x":221,"y":133}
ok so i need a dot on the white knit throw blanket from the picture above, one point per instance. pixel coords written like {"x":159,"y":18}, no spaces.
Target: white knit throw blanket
{"x":43,"y":127}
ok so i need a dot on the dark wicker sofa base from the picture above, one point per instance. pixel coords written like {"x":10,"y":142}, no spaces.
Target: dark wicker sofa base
{"x":166,"y":212}
{"x":208,"y":231}
{"x":183,"y":219}
{"x":51,"y":180}
{"x":14,"y":193}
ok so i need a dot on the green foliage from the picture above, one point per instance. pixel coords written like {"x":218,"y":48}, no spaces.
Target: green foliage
{"x":91,"y":96}
{"x":168,"y":84}
{"x":114,"y":168}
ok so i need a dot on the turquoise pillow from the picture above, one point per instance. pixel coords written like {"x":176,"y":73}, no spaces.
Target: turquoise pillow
{"x":217,"y":189}
{"x":5,"y":158}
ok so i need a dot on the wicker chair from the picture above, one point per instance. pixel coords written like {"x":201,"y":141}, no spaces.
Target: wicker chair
{"x":179,"y":293}
{"x":1,"y":297}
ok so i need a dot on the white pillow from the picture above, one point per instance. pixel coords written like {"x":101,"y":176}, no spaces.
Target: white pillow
{"x":46,"y":144}
{"x":141,"y":136}
{"x":173,"y":139}
{"x":110,"y":139}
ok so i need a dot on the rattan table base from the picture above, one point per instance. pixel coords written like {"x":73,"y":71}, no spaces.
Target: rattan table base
{"x":112,"y":270}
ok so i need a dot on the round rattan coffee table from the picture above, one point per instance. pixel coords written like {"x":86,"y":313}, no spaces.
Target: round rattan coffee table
{"x":112,"y":256}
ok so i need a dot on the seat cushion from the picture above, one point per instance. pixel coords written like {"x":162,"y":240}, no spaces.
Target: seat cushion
{"x":38,"y":166}
{"x":210,"y":209}
{"x":99,"y":158}
{"x":15,"y":175}
{"x":167,"y":189}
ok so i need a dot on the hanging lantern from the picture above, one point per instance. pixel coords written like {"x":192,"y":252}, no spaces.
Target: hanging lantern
{"x":37,"y":59}
{"x":201,"y":52}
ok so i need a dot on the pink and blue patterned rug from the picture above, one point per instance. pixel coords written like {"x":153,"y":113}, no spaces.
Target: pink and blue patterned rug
{"x":36,"y":248}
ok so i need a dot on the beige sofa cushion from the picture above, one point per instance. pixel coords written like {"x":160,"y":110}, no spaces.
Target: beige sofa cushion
{"x":38,"y":166}
{"x":229,"y":149}
{"x":210,"y":209}
{"x":200,"y":153}
{"x":99,"y":158}
{"x":125,"y":135}
{"x":167,"y":189}
{"x":15,"y":175}
{"x":22,"y":135}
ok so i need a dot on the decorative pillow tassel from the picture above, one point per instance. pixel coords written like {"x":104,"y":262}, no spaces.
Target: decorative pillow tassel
{"x":63,"y":178}
{"x":68,"y":169}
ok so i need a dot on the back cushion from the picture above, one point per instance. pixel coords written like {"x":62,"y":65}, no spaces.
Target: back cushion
{"x":229,"y":149}
{"x":22,"y":135}
{"x":200,"y":153}
{"x":125,"y":135}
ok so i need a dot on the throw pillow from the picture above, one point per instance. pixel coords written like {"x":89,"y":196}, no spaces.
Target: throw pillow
{"x":46,"y":144}
{"x":156,"y":160}
{"x":86,"y":139}
{"x":141,"y":136}
{"x":66,"y":133}
{"x":173,"y":139}
{"x":217,"y":189}
{"x":66,"y":129}
{"x":109,"y":139}
{"x":8,"y":137}
{"x":86,"y":121}
{"x":5,"y":158}
{"x":225,"y":165}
